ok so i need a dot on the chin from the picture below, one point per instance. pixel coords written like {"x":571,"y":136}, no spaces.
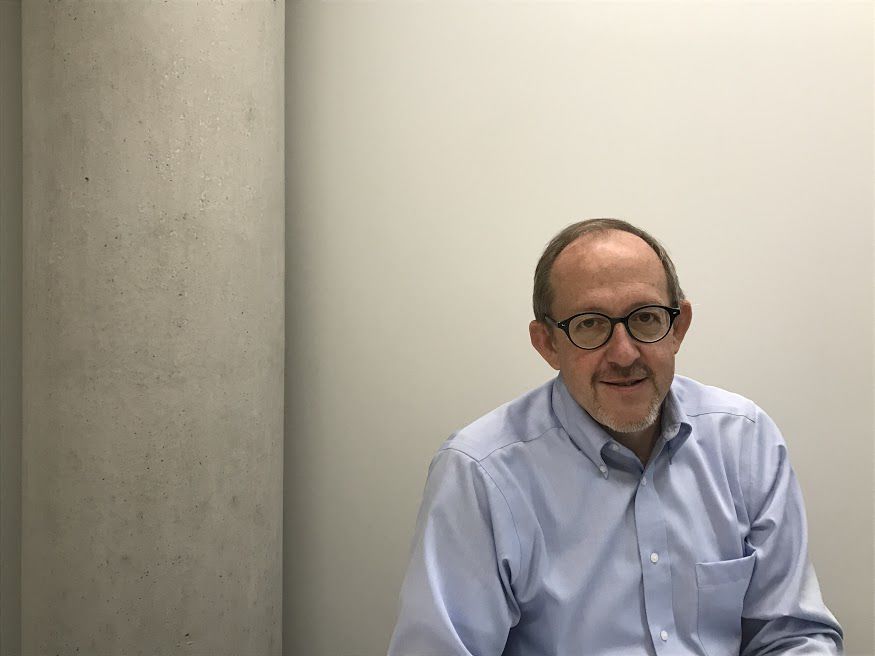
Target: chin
{"x":626,"y":423}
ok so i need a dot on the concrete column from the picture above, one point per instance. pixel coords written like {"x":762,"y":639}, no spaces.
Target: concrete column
{"x":10,"y":327}
{"x":153,"y":327}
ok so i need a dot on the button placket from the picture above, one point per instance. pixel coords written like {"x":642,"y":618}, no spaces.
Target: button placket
{"x":653,"y":547}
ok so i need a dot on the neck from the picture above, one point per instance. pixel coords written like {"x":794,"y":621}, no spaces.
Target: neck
{"x":639,"y":442}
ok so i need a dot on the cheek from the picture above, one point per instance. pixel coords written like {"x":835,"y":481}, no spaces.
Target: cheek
{"x":578,"y":365}
{"x":661,"y":363}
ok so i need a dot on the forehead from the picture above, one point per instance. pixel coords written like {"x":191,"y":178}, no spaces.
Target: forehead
{"x":607,"y":271}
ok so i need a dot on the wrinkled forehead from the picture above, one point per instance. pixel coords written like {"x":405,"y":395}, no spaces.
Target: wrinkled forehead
{"x":602,"y":265}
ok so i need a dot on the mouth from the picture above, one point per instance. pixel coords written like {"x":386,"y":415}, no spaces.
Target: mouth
{"x":628,"y":384}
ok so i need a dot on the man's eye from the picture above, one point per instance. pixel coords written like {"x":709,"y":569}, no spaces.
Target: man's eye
{"x":588,"y":325}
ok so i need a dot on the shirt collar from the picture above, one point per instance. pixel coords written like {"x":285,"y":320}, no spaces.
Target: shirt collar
{"x":590,"y":437}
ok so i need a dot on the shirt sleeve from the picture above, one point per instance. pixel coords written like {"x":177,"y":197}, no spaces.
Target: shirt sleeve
{"x":783,"y":609}
{"x":457,"y":599}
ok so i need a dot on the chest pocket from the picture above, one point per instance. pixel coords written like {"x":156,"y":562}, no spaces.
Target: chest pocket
{"x":721,"y":589}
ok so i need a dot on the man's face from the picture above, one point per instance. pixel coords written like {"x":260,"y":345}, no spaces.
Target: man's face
{"x":612,"y":272}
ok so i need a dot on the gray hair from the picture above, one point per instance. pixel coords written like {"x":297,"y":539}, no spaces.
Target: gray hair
{"x":542,"y":297}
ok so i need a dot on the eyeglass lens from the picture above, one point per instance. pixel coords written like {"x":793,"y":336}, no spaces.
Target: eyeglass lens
{"x":592,"y":330}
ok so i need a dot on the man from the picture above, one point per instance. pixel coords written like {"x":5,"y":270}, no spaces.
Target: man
{"x":618,"y":509}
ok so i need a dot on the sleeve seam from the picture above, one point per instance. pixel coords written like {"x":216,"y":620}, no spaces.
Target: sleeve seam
{"x":523,"y":440}
{"x":504,"y":498}
{"x":721,"y":412}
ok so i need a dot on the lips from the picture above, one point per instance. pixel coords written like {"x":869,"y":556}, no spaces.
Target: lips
{"x":632,"y":382}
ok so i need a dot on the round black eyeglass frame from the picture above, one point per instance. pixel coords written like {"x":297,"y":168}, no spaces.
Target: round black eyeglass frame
{"x":564,"y":324}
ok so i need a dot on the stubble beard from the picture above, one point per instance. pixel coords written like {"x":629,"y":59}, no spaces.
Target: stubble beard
{"x":625,"y":425}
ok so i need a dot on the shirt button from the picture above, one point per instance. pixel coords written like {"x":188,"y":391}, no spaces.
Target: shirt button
{"x":643,"y":480}
{"x":663,"y":635}
{"x":615,"y":447}
{"x":654,"y":558}
{"x":602,"y":469}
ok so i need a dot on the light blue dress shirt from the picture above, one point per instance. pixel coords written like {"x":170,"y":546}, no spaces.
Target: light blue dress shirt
{"x":540,"y":535}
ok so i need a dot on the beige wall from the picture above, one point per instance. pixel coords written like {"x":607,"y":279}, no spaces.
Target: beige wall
{"x":432,"y":151}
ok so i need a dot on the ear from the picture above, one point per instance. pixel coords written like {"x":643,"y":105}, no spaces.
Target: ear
{"x":682,"y":324}
{"x":542,"y":339}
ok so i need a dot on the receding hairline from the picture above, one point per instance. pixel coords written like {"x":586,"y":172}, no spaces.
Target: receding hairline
{"x":597,"y":229}
{"x":605,"y":234}
{"x":602,"y":235}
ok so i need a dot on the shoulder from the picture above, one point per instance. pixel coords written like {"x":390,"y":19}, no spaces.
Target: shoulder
{"x":698,"y":400}
{"x":520,"y":421}
{"x":720,"y":416}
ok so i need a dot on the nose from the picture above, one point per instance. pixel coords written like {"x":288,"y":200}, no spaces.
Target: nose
{"x":621,"y":349}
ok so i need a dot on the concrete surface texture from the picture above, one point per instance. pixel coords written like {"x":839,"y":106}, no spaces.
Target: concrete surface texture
{"x":10,"y":327}
{"x":153,"y":268}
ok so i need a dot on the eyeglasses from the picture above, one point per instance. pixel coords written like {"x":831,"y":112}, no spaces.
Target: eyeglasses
{"x":590,"y":330}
